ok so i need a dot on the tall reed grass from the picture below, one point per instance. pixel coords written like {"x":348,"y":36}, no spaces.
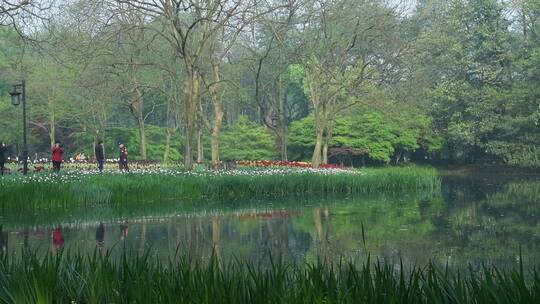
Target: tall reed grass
{"x":98,"y":278}
{"x":74,"y":189}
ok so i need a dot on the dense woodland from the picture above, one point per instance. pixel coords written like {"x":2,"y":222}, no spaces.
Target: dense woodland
{"x":327,"y":81}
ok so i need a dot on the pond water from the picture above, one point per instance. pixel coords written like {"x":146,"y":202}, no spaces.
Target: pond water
{"x":473,"y":220}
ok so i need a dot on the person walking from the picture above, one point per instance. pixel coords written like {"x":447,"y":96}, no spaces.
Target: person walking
{"x":3,"y":157}
{"x":123,"y":158}
{"x":57,"y":156}
{"x":100,"y":155}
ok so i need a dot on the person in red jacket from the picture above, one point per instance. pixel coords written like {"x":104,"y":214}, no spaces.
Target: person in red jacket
{"x":58,"y":238}
{"x":57,"y":156}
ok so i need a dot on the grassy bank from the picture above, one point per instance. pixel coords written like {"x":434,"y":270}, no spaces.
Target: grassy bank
{"x":97,"y":278}
{"x":86,"y":188}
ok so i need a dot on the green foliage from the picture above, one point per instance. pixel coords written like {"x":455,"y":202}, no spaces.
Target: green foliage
{"x":245,"y":140}
{"x":484,"y":96}
{"x":296,"y":103}
{"x":371,"y":133}
{"x":368,"y":132}
{"x":301,"y":138}
{"x":295,"y":73}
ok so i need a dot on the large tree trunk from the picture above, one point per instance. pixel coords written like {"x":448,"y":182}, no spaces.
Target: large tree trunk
{"x":319,"y":120}
{"x":317,"y":153}
{"x":52,"y":132}
{"x":327,"y":140}
{"x":216,"y":130}
{"x":282,"y":121}
{"x":142,"y":137}
{"x":171,"y":125}
{"x":137,"y":110}
{"x":168,"y":135}
{"x":192,"y":91}
{"x":398,"y":157}
{"x":325,"y":152}
{"x":52,"y":123}
{"x":284,"y":143}
{"x":200,"y":147}
{"x":188,"y":157}
{"x":218,"y":117}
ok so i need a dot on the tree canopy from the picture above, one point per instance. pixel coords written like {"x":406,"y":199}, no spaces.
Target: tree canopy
{"x":318,"y":80}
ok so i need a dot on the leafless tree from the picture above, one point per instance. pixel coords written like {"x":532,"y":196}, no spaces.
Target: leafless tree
{"x":24,"y":15}
{"x":190,"y":26}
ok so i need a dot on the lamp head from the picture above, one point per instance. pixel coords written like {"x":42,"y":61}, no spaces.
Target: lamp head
{"x":15,"y":96}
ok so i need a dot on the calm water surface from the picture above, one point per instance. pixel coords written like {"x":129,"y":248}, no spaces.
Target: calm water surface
{"x":472,"y":221}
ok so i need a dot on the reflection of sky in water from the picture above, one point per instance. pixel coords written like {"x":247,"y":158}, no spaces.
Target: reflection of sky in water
{"x":473,"y":221}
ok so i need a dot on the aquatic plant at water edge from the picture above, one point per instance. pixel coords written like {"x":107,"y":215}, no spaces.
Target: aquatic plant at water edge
{"x":141,"y":278}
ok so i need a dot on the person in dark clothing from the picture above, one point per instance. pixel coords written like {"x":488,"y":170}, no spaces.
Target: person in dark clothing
{"x":3,"y":239}
{"x":100,"y":155}
{"x":57,"y":156}
{"x":100,"y":235}
{"x":123,"y":158}
{"x":123,"y":230}
{"x":3,"y":157}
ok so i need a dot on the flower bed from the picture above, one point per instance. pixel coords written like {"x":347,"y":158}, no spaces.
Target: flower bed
{"x":283,"y":163}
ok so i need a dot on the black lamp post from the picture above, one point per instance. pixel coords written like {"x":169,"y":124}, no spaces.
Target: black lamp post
{"x":18,"y":95}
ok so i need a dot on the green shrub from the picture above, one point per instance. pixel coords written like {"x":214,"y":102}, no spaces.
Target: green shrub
{"x":246,"y":140}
